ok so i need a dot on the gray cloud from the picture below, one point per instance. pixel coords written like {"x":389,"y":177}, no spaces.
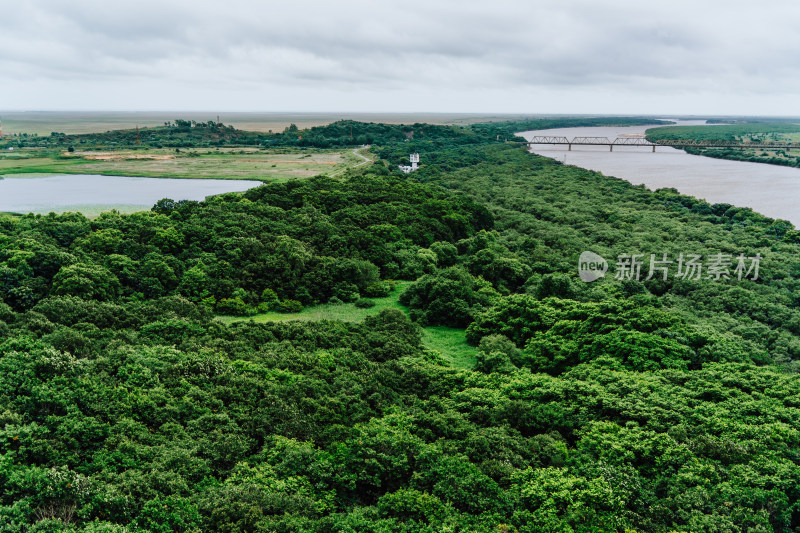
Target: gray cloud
{"x":507,"y":55}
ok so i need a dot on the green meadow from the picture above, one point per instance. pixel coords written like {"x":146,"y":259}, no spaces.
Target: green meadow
{"x":451,"y":343}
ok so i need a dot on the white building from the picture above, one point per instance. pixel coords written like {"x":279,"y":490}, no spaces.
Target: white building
{"x":414,"y":158}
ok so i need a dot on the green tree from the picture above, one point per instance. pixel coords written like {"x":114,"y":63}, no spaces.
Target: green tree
{"x":91,"y":282}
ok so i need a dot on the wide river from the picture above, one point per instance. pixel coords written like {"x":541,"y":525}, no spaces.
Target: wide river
{"x":771,"y":190}
{"x":91,"y":194}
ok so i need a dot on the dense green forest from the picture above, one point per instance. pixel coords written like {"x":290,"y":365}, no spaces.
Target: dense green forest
{"x":621,"y":405}
{"x":770,"y":132}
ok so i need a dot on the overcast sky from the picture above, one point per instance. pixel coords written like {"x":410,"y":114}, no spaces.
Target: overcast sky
{"x":559,"y":56}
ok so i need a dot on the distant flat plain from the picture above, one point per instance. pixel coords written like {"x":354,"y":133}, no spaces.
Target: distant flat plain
{"x":73,"y":122}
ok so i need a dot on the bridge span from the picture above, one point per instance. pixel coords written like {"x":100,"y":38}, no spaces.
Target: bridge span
{"x":643,"y":141}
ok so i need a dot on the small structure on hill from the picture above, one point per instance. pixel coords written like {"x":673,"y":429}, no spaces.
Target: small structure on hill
{"x":414,"y":158}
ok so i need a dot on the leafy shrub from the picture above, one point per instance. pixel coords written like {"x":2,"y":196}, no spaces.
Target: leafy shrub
{"x":495,"y":353}
{"x":269,"y":300}
{"x":450,"y":297}
{"x":346,"y":292}
{"x":379,"y":289}
{"x":364,"y":303}
{"x":233,"y":306}
{"x":290,"y":306}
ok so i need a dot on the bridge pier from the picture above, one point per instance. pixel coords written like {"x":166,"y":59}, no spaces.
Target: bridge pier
{"x":570,"y":148}
{"x":654,"y":148}
{"x":610,"y":147}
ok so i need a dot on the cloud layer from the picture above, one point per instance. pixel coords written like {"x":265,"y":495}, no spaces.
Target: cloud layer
{"x":504,"y":56}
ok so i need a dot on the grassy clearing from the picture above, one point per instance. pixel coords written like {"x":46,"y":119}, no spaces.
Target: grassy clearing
{"x":450,"y":342}
{"x":344,"y":312}
{"x":253,"y":164}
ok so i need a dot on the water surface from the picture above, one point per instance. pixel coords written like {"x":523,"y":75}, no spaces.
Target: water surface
{"x":771,"y":190}
{"x":91,"y":194}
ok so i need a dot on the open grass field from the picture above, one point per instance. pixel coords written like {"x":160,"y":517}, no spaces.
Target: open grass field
{"x":239,"y":163}
{"x":46,"y":122}
{"x":450,"y":342}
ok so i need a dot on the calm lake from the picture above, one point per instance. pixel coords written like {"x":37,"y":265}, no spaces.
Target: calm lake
{"x":92,"y":194}
{"x":771,"y":190}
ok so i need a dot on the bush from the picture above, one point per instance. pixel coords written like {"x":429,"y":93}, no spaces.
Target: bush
{"x":290,"y":306}
{"x":558,"y":285}
{"x":346,"y":292}
{"x":495,"y":354}
{"x":234,"y":306}
{"x":364,"y":303}
{"x":269,"y":300}
{"x":450,"y":297}
{"x":446,"y":253}
{"x":379,"y":289}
